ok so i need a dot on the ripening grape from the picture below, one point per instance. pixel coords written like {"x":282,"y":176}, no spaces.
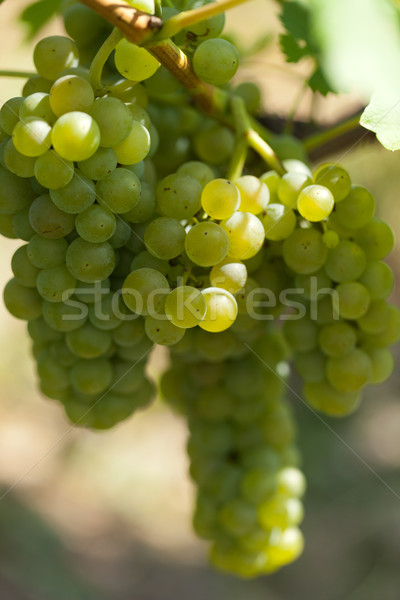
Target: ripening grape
{"x":185,"y":306}
{"x":75,"y":136}
{"x":335,"y":178}
{"x":54,"y":54}
{"x":206,"y":244}
{"x":220,"y":198}
{"x":245,"y":234}
{"x":133,"y":62}
{"x":315,"y":202}
{"x":215,"y":61}
{"x":221,"y":309}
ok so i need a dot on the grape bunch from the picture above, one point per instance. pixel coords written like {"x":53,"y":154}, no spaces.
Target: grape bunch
{"x":243,"y":457}
{"x":137,"y":231}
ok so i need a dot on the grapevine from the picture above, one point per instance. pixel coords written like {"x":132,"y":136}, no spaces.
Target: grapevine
{"x":155,"y":209}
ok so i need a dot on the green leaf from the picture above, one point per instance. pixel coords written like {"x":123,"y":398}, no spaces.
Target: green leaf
{"x":359,"y":42}
{"x":382,"y":116}
{"x":299,"y":41}
{"x":36,"y":15}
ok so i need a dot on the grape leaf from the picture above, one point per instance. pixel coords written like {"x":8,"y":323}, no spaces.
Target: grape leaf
{"x":36,"y":15}
{"x":298,"y":41}
{"x":382,"y":116}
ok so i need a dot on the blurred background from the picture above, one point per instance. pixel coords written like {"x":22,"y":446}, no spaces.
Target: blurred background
{"x":104,"y":516}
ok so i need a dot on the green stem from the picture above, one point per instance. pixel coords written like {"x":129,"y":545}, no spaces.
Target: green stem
{"x":321,"y":138}
{"x":96,"y":68}
{"x":190,"y":17}
{"x":22,"y":74}
{"x":254,"y":140}
{"x":238,"y":159}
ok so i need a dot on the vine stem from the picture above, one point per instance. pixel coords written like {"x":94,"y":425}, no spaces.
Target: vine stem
{"x":134,"y":24}
{"x":22,"y":74}
{"x":190,"y":17}
{"x":253,"y":139}
{"x":101,"y":57}
{"x":320,"y":138}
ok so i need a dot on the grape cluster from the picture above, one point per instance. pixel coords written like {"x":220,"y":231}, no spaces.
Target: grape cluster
{"x":243,"y":457}
{"x":134,"y":235}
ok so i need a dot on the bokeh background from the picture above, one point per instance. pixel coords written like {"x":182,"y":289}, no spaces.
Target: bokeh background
{"x":101,"y":516}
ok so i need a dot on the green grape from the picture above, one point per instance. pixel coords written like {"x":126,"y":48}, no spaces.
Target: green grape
{"x":229,"y":274}
{"x":140,"y":114}
{"x":345,"y":262}
{"x":36,"y":84}
{"x":311,"y":286}
{"x":37,"y":106}
{"x":144,"y":290}
{"x":15,"y":194}
{"x":349,"y":373}
{"x":376,"y":319}
{"x":315,"y":202}
{"x":254,"y":194}
{"x":17,"y":163}
{"x":163,"y":332}
{"x":83,"y":24}
{"x":137,"y":352}
{"x":378,"y":279}
{"x":52,"y":171}
{"x":21,"y":225}
{"x":49,"y":221}
{"x":353,"y":299}
{"x":88,"y":341}
{"x":376,"y":239}
{"x":179,"y":196}
{"x":310,"y":365}
{"x":61,"y":353}
{"x":357,"y":210}
{"x":119,"y":191}
{"x":89,"y":293}
{"x":128,"y":378}
{"x":331,"y":239}
{"x":293,"y":164}
{"x":45,"y":253}
{"x":114,"y":120}
{"x":281,"y":512}
{"x":162,"y":84}
{"x":51,"y":373}
{"x":258,"y":484}
{"x":55,"y":284}
{"x":237,"y":517}
{"x":251,"y":94}
{"x":221,"y":310}
{"x":64,"y":316}
{"x":284,"y":548}
{"x":54,"y":54}
{"x":129,"y":333}
{"x":76,"y":196}
{"x":304,"y":251}
{"x":214,"y":145}
{"x":335,"y":178}
{"x":165,"y":238}
{"x":96,"y":224}
{"x":206,"y":244}
{"x":22,"y":302}
{"x":390,"y":336}
{"x":106,"y":312}
{"x":25,"y":273}
{"x":338,"y":339}
{"x":80,"y":70}
{"x":185,"y":306}
{"x":301,"y":334}
{"x":290,"y":186}
{"x":133,"y":62}
{"x":92,"y":376}
{"x":75,"y":136}
{"x":102,"y":163}
{"x":245,"y":233}
{"x":39,"y":331}
{"x":70,"y":93}
{"x":382,"y":361}
{"x":145,"y":259}
{"x":220,"y":198}
{"x":215,"y":61}
{"x":9,"y":114}
{"x":121,"y":236}
{"x":90,"y":262}
{"x":291,"y":482}
{"x":198,"y":170}
{"x":145,"y":207}
{"x":7,"y":228}
{"x":279,"y":222}
{"x":272,"y":181}
{"x":214,"y":404}
{"x":327,"y":309}
{"x":136,"y":94}
{"x":135,"y":147}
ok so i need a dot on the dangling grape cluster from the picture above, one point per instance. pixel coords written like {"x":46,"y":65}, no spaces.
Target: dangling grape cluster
{"x":243,"y":457}
{"x":135,"y":235}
